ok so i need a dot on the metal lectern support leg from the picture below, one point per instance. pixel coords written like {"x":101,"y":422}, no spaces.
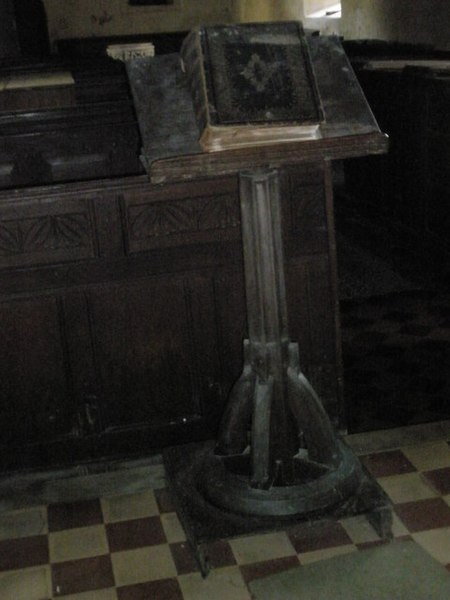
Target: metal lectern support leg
{"x":277,"y":458}
{"x":291,"y":440}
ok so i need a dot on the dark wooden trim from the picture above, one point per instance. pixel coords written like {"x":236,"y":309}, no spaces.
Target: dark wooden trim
{"x":214,"y":164}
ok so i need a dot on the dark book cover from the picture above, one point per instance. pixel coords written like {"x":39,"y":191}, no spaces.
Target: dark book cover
{"x":259,"y":73}
{"x":254,"y":74}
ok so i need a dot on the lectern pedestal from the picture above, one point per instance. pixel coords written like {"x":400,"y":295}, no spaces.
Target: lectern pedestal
{"x":277,"y":458}
{"x":275,"y":435}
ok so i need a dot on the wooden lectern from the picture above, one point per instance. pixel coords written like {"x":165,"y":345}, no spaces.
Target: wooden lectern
{"x":277,"y":457}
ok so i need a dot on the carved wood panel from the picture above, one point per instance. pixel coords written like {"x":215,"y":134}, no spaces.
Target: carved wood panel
{"x":186,"y":217}
{"x":313,"y":326}
{"x":46,"y":231}
{"x":142,"y":342}
{"x":155,"y":347}
{"x":158,"y":219}
{"x":36,"y":403}
{"x":306,"y":230}
{"x":232,"y":322}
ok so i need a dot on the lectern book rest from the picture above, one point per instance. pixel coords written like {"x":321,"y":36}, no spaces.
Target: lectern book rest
{"x":251,"y":84}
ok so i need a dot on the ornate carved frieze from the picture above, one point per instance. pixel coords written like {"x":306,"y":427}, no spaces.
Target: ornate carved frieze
{"x":41,"y":231}
{"x":183,"y":216}
{"x":51,"y":232}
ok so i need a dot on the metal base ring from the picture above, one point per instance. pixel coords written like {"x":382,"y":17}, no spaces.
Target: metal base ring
{"x":233,"y":492}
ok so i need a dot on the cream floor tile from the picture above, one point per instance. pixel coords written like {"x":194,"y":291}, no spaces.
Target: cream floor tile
{"x":81,"y":542}
{"x":398,"y":529}
{"x":133,"y":506}
{"x":221,"y":584}
{"x":172,"y":528}
{"x":436,"y":542}
{"x":360,"y":530}
{"x":432,"y":455}
{"x":256,"y":548}
{"x":23,"y":523}
{"x":408,"y":487}
{"x":106,"y":594}
{"x":310,"y":557}
{"x":144,"y":564}
{"x":27,"y":584}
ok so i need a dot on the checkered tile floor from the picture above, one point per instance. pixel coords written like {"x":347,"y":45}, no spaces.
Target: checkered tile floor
{"x":133,"y":547}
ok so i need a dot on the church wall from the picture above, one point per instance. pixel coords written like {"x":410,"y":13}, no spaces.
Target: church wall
{"x":421,"y":21}
{"x":90,"y":18}
{"x":265,"y":10}
{"x":418,"y":21}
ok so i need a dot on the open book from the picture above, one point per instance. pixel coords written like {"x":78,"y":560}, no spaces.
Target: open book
{"x":251,"y":84}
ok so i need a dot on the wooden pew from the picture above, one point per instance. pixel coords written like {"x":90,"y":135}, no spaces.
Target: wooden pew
{"x":83,"y":129}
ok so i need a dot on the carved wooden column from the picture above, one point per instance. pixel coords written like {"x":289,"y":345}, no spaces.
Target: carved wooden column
{"x":268,"y":389}
{"x":291,"y":440}
{"x":277,"y":457}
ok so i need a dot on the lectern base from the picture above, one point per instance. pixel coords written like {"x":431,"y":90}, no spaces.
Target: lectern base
{"x":186,"y":468}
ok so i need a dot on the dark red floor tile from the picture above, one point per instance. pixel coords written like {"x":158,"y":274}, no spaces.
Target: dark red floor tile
{"x":383,"y":464}
{"x":23,"y":552}
{"x":403,"y":538}
{"x":75,"y":514}
{"x":135,"y":533}
{"x":164,"y":500}
{"x":424,"y":514}
{"x":220,"y":554}
{"x":163,"y":589}
{"x":439,"y":479}
{"x":183,"y":558}
{"x":372,"y":544}
{"x":307,"y":538}
{"x":367,"y":545}
{"x":76,"y":576}
{"x":268,"y":567}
